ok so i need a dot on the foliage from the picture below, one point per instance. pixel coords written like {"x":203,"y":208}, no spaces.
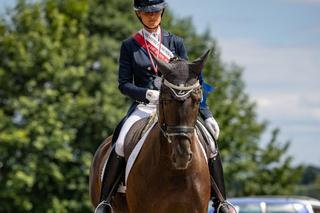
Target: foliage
{"x":55,"y":104}
{"x":59,"y":100}
{"x":310,"y":183}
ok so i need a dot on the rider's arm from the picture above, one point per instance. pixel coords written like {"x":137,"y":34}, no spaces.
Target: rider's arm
{"x":125,"y":77}
{"x":204,"y":108}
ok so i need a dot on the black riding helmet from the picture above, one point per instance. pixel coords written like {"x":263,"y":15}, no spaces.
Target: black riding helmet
{"x":149,"y":6}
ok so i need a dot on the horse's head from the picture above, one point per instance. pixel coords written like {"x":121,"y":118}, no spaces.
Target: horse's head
{"x":179,"y":101}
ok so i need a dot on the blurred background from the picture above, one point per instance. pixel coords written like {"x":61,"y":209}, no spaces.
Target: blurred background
{"x":277,"y":43}
{"x":59,"y":96}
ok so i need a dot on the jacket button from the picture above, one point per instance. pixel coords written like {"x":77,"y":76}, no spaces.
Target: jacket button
{"x":149,"y":68}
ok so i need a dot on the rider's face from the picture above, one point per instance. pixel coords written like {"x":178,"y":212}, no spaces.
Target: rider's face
{"x":151,"y":20}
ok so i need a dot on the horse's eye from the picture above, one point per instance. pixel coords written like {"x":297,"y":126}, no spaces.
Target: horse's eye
{"x":196,"y":98}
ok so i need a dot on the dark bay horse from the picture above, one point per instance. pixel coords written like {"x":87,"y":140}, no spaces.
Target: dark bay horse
{"x":170,"y":174}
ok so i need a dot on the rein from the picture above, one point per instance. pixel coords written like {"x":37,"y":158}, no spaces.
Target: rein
{"x":178,"y":130}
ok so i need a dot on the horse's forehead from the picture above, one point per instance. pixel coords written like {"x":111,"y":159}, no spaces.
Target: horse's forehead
{"x":180,"y":68}
{"x":179,"y":72}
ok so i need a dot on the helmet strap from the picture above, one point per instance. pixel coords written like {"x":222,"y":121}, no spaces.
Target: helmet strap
{"x":162,"y":12}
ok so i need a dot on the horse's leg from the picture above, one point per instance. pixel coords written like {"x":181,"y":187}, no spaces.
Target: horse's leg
{"x":96,"y":171}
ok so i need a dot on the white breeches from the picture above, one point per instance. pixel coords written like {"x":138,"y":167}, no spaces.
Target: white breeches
{"x":140,"y":112}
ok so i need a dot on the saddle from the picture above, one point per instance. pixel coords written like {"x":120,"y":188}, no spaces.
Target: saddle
{"x":135,"y":133}
{"x":206,"y":139}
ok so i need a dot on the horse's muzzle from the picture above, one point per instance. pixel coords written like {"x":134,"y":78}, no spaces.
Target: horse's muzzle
{"x":181,"y":154}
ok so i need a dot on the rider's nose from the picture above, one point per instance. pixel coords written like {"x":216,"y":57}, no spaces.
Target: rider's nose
{"x":151,"y":14}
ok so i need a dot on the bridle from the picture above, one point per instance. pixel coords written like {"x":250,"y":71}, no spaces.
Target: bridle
{"x":181,"y":93}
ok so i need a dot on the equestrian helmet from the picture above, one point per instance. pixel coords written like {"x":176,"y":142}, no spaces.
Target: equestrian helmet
{"x":149,"y":6}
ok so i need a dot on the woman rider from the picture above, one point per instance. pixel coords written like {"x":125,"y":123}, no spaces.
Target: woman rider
{"x":139,"y":79}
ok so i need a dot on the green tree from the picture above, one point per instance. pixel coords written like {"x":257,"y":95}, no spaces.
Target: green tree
{"x":56,"y":106}
{"x":310,"y":174}
{"x":59,"y":100}
{"x":310,"y":183}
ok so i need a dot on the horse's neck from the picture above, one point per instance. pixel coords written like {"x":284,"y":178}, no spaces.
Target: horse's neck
{"x":156,"y":149}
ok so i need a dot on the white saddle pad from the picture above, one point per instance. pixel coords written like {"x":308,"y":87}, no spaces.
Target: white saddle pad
{"x":136,"y":151}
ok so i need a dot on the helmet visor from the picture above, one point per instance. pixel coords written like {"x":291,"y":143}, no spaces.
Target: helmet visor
{"x":152,"y":8}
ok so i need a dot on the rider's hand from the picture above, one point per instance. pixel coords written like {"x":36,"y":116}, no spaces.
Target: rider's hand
{"x":152,"y":96}
{"x":213,"y":127}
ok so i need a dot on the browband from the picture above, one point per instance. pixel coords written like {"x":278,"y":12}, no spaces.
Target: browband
{"x":183,"y":91}
{"x":181,"y":87}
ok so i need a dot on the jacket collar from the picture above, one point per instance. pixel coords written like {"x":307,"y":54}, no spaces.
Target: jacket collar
{"x":164,"y":33}
{"x":165,"y":39}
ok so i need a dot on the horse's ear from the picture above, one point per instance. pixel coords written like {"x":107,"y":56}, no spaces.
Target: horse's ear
{"x":197,"y":65}
{"x":163,"y":66}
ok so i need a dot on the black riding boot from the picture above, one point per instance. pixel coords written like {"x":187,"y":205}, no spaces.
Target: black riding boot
{"x":111,"y":178}
{"x":218,"y":198}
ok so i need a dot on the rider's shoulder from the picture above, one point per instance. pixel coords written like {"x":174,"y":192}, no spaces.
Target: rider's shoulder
{"x":128,"y":41}
{"x":128,"y":44}
{"x":173,"y":37}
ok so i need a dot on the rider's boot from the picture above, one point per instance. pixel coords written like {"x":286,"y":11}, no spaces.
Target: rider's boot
{"x":111,"y":178}
{"x":219,"y":198}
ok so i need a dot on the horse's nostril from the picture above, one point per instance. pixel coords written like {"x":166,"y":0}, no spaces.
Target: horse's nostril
{"x":190,"y":156}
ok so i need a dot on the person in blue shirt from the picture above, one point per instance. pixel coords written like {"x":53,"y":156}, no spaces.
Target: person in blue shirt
{"x":138,"y":79}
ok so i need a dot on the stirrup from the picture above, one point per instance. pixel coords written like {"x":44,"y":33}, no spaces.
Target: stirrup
{"x":101,"y":208}
{"x":226,"y":207}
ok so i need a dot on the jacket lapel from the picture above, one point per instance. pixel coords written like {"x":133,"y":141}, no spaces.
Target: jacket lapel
{"x":165,"y":36}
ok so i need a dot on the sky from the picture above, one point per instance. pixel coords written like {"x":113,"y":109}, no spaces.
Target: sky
{"x":277,"y":42}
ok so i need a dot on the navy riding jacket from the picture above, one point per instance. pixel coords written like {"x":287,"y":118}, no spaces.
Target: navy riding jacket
{"x":136,"y":74}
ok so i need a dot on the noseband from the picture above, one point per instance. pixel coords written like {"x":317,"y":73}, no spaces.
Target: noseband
{"x":181,"y":93}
